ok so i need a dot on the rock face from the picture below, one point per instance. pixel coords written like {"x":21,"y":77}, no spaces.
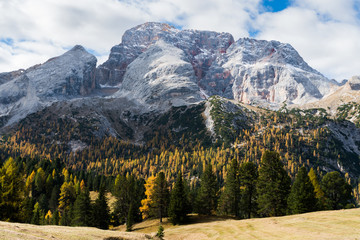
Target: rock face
{"x":161,"y":77}
{"x":201,"y":48}
{"x":265,"y":71}
{"x":249,"y":70}
{"x":67,"y":76}
{"x":354,"y":83}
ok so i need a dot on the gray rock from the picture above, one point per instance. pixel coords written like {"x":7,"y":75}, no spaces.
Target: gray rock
{"x":68,"y":76}
{"x":201,"y":47}
{"x":160,"y":78}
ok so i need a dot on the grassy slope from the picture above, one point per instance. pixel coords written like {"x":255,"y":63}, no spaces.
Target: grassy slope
{"x":342,"y":224}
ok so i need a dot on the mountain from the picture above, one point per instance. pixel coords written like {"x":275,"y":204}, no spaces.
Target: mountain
{"x":248,"y":70}
{"x":68,"y":76}
{"x":165,"y":92}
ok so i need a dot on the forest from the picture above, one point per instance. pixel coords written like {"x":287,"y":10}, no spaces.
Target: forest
{"x":46,"y":192}
{"x":255,"y":164}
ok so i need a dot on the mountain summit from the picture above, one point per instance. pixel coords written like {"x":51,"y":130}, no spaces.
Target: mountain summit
{"x":248,"y":70}
{"x":157,"y":66}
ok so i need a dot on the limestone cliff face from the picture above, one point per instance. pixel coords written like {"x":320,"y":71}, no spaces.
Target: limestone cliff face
{"x":161,"y":77}
{"x":265,"y":71}
{"x":248,"y":70}
{"x":201,"y":48}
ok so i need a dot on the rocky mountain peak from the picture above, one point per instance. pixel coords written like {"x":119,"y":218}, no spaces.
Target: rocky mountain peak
{"x":354,"y":83}
{"x":64,"y":77}
{"x":201,"y":47}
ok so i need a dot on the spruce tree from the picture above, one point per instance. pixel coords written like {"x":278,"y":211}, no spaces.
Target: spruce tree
{"x":337,"y":191}
{"x":161,"y":195}
{"x":230,"y":198}
{"x":82,"y":210}
{"x":302,"y":196}
{"x":101,"y":211}
{"x":130,"y":219}
{"x":206,"y":200}
{"x":273,"y":186}
{"x":248,"y":175}
{"x":179,"y":206}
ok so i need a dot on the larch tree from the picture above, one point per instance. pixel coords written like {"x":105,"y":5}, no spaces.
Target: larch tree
{"x":11,"y":185}
{"x":319,"y":194}
{"x":147,"y":203}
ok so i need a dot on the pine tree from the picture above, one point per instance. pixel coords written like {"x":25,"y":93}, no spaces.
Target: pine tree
{"x":230,"y":198}
{"x":160,"y":195}
{"x":248,"y":175}
{"x":337,"y":191}
{"x":101,"y":211}
{"x":302,"y":196}
{"x":12,"y":187}
{"x":82,"y":210}
{"x":273,"y":186}
{"x":179,"y":206}
{"x":206,"y":200}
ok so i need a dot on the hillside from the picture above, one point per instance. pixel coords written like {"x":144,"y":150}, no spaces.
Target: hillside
{"x":341,"y":224}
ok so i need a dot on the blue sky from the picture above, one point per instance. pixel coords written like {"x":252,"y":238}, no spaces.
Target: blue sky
{"x":275,"y":6}
{"x":326,"y":33}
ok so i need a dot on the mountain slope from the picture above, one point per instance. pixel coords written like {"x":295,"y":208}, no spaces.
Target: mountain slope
{"x":67,"y":76}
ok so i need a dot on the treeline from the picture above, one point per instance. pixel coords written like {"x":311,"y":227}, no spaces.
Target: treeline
{"x":47,"y":193}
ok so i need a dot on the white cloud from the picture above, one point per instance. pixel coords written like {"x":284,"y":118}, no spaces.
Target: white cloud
{"x":99,"y":24}
{"x":326,"y":33}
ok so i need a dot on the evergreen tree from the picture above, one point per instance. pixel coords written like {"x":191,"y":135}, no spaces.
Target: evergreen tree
{"x":53,"y":202}
{"x":160,"y":233}
{"x":302,"y":196}
{"x":179,"y":206}
{"x":55,"y":219}
{"x":206,"y":200}
{"x":230,"y":198}
{"x":273,"y":186}
{"x":82,"y":210}
{"x":101,"y":211}
{"x":36,"y":214}
{"x":27,"y":210}
{"x":248,"y":175}
{"x":130,"y":219}
{"x":161,"y":195}
{"x":12,"y":188}
{"x":337,"y":191}
{"x":39,"y":182}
